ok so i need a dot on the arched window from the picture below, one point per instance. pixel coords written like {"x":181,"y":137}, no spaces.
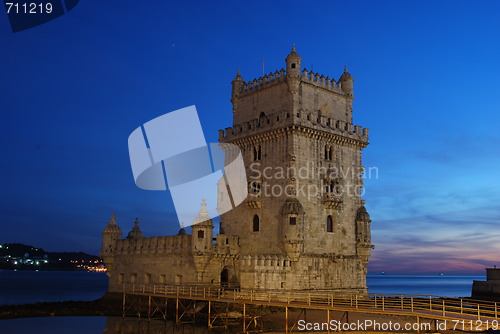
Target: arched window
{"x":329,"y":224}
{"x":256,"y":223}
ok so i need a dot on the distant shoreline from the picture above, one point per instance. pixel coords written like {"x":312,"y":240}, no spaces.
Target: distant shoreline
{"x":108,"y":305}
{"x":52,"y":269}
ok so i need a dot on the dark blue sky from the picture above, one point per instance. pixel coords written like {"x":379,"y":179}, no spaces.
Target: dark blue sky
{"x":426,"y":83}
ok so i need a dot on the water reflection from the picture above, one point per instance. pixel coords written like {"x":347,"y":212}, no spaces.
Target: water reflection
{"x":119,"y":325}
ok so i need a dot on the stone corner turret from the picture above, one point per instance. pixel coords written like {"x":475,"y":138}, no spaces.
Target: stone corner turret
{"x":112,"y":232}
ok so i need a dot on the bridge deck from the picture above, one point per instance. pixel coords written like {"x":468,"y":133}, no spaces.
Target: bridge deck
{"x":474,"y":314}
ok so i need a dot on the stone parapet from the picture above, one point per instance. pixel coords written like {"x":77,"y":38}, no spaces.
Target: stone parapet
{"x":307,"y":77}
{"x":171,"y":244}
{"x":301,"y":118}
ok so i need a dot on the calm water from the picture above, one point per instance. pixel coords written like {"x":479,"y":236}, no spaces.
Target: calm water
{"x":448,"y":286}
{"x":97,"y":325}
{"x":28,"y":287}
{"x":22,"y":287}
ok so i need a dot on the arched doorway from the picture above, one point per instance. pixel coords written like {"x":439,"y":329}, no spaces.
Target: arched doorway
{"x":224,"y":277}
{"x":228,"y":278}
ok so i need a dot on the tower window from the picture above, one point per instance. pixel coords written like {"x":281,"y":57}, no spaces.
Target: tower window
{"x":328,"y":153}
{"x":257,"y":153}
{"x":201,"y":234}
{"x":256,"y":223}
{"x":293,"y":220}
{"x":293,"y":65}
{"x":255,"y":187}
{"x":329,"y":224}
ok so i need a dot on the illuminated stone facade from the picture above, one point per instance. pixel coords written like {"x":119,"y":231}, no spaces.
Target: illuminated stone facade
{"x":303,"y":224}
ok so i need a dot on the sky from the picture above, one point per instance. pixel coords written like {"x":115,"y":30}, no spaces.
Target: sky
{"x":426,"y":84}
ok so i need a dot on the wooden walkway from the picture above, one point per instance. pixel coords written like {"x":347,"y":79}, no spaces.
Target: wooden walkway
{"x":456,"y":313}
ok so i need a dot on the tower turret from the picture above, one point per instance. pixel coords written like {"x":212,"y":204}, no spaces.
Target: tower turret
{"x":202,"y":230}
{"x":363,"y":235}
{"x":293,"y":227}
{"x":346,"y":82}
{"x":293,"y":61}
{"x":111,"y":233}
{"x":237,"y":85}
{"x":136,"y":231}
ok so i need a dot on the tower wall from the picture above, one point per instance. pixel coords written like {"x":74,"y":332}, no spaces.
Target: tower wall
{"x":308,"y":236}
{"x":302,"y":158}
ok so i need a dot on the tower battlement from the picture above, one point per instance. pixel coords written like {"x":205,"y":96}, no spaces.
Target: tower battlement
{"x":308,"y":77}
{"x":301,"y":118}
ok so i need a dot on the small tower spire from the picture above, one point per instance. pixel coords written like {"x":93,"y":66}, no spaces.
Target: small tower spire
{"x":203,"y":211}
{"x":136,"y":231}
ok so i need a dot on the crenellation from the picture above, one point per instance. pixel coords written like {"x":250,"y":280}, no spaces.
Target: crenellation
{"x":153,"y":245}
{"x":301,"y":118}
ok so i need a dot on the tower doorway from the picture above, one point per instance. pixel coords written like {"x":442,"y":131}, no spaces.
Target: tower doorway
{"x":224,"y":277}
{"x":228,"y":278}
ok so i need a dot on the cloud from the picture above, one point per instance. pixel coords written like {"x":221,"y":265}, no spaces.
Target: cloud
{"x":462,"y":241}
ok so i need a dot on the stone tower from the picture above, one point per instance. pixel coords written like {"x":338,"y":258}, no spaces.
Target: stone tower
{"x":112,"y":232}
{"x":304,"y":224}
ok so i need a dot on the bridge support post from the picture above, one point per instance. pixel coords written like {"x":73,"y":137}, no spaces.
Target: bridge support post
{"x":166,"y":309}
{"x":123,"y":304}
{"x":209,"y":314}
{"x":244,"y":318}
{"x":176,"y":310}
{"x":194,"y":311}
{"x":286,"y":319}
{"x":149,"y":307}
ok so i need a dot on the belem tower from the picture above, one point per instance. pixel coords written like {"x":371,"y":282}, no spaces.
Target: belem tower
{"x":302,"y":226}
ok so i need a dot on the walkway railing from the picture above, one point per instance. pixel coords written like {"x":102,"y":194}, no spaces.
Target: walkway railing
{"x":426,"y":306}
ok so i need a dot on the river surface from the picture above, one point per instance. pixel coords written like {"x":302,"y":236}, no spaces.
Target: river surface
{"x":21,"y":287}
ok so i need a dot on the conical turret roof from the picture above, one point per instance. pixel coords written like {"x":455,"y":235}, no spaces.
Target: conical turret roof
{"x":112,"y":227}
{"x":136,"y":231}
